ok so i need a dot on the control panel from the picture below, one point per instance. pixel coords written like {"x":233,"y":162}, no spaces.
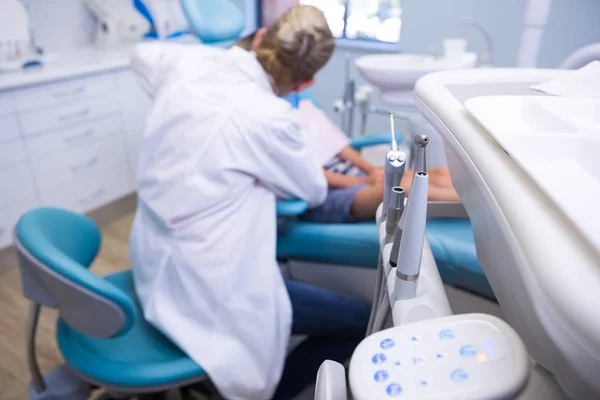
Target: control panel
{"x":471,"y":356}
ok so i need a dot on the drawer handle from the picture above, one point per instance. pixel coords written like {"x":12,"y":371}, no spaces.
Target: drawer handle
{"x":82,"y":135}
{"x":78,"y":114}
{"x":85,"y":164}
{"x":67,"y":93}
{"x":91,"y":196}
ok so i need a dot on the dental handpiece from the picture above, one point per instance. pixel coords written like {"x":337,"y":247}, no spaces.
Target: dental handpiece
{"x":420,"y":142}
{"x":395,"y":164}
{"x":395,"y":209}
{"x":410,"y":251}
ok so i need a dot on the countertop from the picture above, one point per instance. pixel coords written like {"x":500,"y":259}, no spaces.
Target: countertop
{"x":77,"y":62}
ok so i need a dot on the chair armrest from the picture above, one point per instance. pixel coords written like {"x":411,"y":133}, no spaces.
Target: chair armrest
{"x":291,"y":208}
{"x":374,"y":140}
{"x":446,"y":209}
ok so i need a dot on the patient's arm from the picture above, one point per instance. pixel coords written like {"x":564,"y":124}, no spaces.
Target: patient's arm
{"x":339,"y":181}
{"x":349,"y":154}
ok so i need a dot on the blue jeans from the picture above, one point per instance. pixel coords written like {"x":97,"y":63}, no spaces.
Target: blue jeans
{"x":335,"y":324}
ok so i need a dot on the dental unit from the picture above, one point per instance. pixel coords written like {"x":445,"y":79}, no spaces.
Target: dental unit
{"x":415,"y":348}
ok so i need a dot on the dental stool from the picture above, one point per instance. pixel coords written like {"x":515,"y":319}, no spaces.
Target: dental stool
{"x":101,"y":331}
{"x":357,"y":244}
{"x":216,"y":22}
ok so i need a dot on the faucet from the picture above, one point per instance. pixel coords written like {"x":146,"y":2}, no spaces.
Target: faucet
{"x":487,"y":58}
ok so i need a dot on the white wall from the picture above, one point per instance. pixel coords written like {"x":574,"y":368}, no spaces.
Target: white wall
{"x":573,"y":24}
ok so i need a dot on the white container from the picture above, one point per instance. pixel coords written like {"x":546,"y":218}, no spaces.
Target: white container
{"x":454,"y":49}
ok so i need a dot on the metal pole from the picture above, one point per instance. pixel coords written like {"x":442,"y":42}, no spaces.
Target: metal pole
{"x":34,"y":369}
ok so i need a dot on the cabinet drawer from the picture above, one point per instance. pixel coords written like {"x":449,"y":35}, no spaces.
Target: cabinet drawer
{"x":9,"y":217}
{"x":67,"y":115}
{"x":11,"y":153}
{"x":90,"y":191}
{"x":87,"y":132}
{"x":66,"y":165}
{"x":16,"y":183}
{"x":7,"y":104}
{"x":9,"y":129}
{"x":74,"y":90}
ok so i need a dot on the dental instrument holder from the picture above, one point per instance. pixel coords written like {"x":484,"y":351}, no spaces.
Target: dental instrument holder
{"x":395,"y":209}
{"x":395,"y":164}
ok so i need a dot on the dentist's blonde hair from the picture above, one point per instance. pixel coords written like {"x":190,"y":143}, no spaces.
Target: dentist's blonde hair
{"x":295,"y":47}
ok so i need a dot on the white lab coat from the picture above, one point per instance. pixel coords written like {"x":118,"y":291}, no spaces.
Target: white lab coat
{"x":219,"y":147}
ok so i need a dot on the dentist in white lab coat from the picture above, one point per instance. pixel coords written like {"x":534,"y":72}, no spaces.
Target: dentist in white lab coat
{"x":219,"y":147}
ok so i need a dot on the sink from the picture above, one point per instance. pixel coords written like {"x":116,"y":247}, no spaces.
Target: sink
{"x":395,"y":75}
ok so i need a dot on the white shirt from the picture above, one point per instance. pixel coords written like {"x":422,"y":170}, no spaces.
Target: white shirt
{"x":219,"y":147}
{"x":326,"y":139}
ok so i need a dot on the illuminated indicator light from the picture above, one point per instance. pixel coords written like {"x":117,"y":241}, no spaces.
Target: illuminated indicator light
{"x":481,"y":358}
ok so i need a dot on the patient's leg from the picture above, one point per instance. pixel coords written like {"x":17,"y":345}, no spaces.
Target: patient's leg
{"x":368,"y":199}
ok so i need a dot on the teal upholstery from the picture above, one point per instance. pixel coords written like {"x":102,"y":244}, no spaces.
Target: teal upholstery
{"x":215,"y":22}
{"x":67,"y":243}
{"x":354,"y":244}
{"x":357,"y":244}
{"x":141,"y":357}
{"x":291,"y":208}
{"x":138,"y":355}
{"x":453,"y":247}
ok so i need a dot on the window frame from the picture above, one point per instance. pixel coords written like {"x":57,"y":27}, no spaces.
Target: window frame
{"x":342,"y":42}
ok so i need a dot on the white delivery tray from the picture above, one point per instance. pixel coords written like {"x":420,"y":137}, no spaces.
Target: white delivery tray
{"x":556,"y":141}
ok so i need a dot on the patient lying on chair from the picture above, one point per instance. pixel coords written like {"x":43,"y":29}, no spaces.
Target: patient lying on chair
{"x":355,"y":186}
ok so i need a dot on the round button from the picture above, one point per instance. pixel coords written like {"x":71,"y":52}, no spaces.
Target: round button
{"x":392,"y":157}
{"x":379,"y":358}
{"x":447,"y":334}
{"x":401,"y":157}
{"x":468,"y":351}
{"x":386,"y":344}
{"x":459,"y":375}
{"x":381,"y":376}
{"x":393,"y":389}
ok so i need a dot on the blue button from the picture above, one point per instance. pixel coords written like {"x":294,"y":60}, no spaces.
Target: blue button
{"x":468,"y":351}
{"x":397,"y":363}
{"x":459,"y":375}
{"x":386,"y":343}
{"x":393,"y":389}
{"x":447,"y":334}
{"x":381,"y":376}
{"x":379,"y":358}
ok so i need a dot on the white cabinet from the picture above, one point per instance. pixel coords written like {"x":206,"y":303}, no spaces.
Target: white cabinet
{"x":72,"y":143}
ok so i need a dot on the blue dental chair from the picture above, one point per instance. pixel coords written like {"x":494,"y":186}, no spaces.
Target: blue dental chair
{"x":216,"y":23}
{"x":357,"y":244}
{"x":101,"y":331}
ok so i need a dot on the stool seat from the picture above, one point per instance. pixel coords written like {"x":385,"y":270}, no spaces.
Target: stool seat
{"x":142,"y":357}
{"x":357,"y":244}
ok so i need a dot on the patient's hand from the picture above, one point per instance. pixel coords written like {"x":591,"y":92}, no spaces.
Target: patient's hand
{"x":377,"y":175}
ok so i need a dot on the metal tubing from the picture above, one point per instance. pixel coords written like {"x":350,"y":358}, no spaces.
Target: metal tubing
{"x":34,"y":369}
